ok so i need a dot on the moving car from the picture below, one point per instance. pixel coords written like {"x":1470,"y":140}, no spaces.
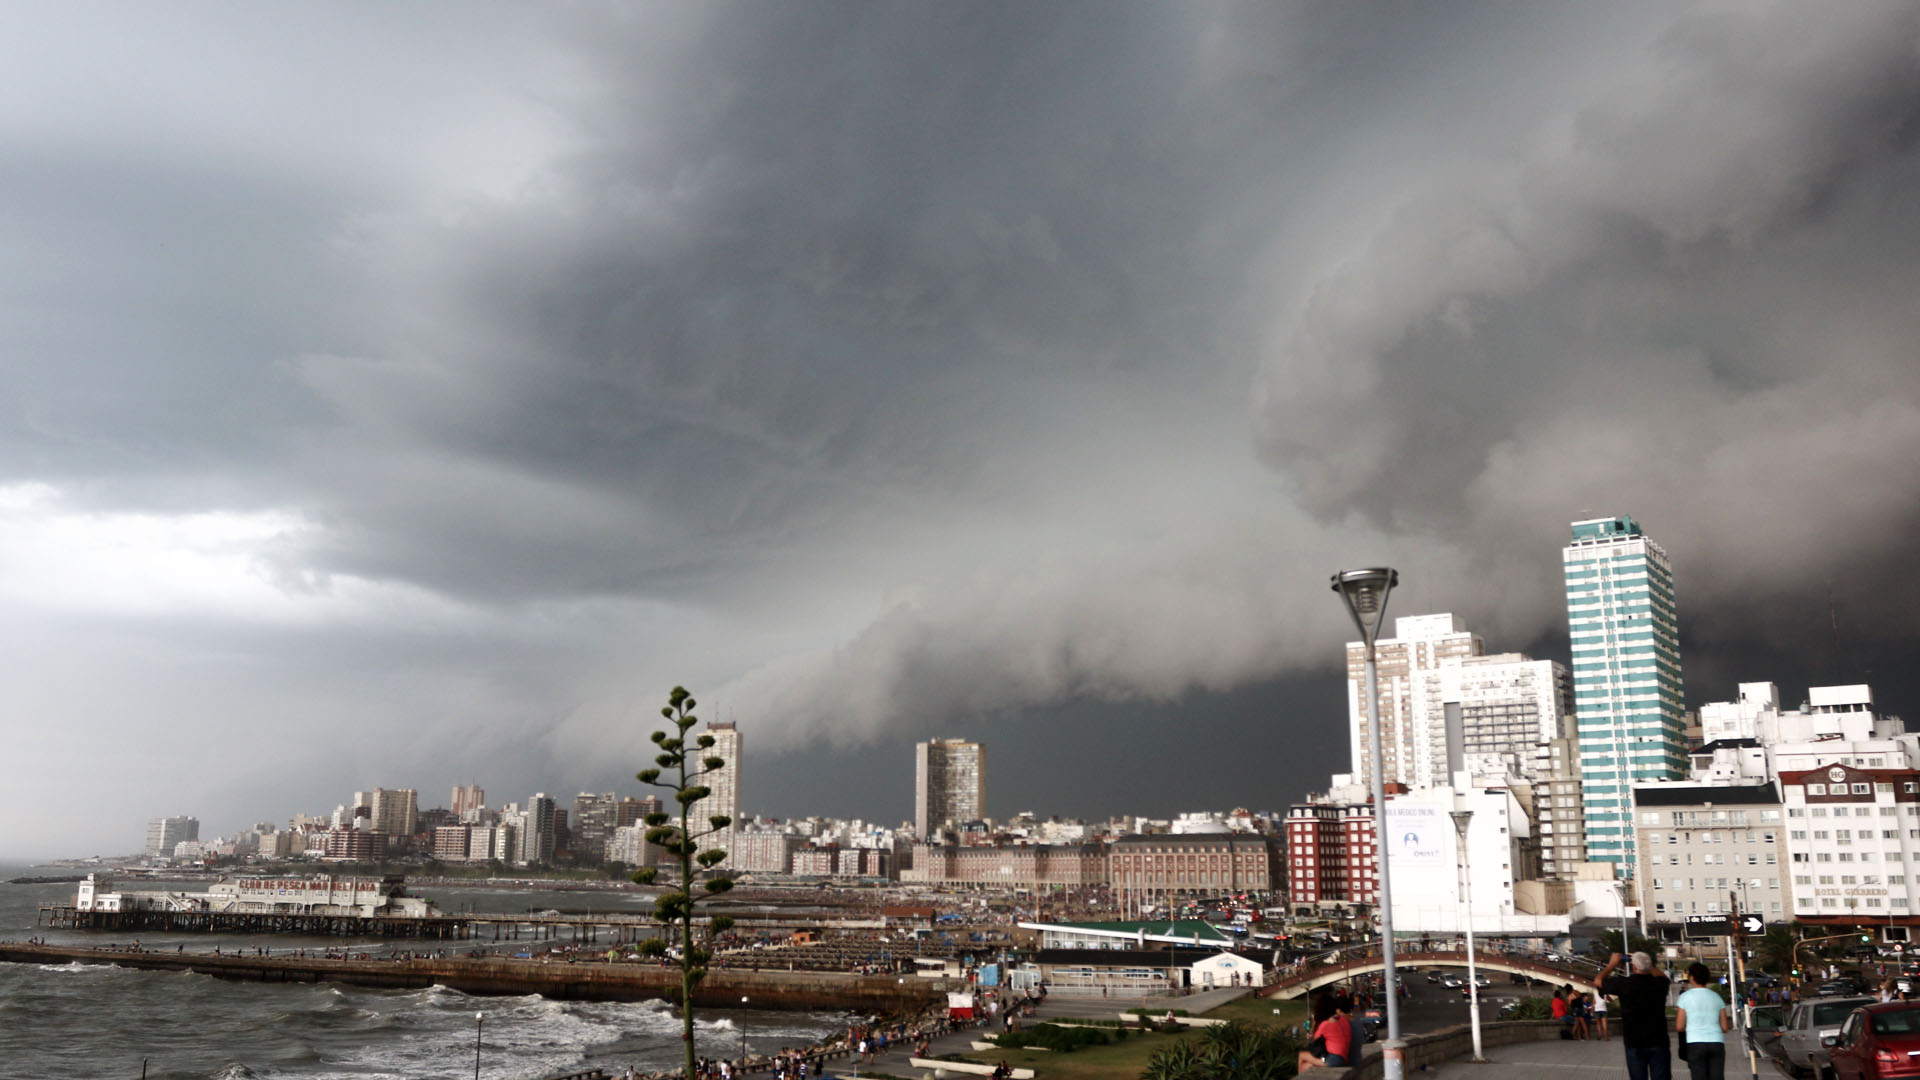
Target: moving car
{"x":1809,"y":1022}
{"x":1877,"y":1041}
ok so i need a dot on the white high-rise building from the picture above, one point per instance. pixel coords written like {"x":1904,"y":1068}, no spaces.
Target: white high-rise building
{"x":1507,"y":706}
{"x":723,"y":786}
{"x":166,"y":833}
{"x":1412,"y":712}
{"x":949,"y":784}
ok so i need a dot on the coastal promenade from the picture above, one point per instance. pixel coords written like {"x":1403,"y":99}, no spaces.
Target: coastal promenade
{"x":1514,"y":1050}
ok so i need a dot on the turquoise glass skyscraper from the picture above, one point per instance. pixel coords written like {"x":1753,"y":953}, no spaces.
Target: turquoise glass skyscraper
{"x":1627,"y":696}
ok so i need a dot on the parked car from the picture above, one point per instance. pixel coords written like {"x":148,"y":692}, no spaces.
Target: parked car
{"x":1877,"y":1041}
{"x":1808,"y":1023}
{"x":1763,"y":1025}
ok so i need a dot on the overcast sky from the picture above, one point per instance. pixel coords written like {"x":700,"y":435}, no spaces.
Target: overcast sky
{"x":405,"y":395}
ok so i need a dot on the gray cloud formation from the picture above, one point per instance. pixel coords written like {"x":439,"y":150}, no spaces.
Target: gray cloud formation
{"x":480,"y":373}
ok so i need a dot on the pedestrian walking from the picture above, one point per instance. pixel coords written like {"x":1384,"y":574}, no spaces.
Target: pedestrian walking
{"x":1703,"y":1019}
{"x":1643,"y":1015}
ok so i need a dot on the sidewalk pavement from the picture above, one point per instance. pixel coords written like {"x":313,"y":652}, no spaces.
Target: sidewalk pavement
{"x":1577,"y":1059}
{"x":1589,"y":1059}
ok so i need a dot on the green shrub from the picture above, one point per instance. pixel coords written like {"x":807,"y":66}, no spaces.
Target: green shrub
{"x":1232,"y":1051}
{"x":1530,"y":1008}
{"x":1064,"y":1040}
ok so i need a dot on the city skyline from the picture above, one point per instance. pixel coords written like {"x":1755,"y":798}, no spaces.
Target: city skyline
{"x":1015,"y":373}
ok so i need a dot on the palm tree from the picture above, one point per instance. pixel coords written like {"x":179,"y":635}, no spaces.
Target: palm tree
{"x":1774,"y":951}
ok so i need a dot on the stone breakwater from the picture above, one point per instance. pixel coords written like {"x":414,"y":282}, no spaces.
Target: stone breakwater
{"x":596,"y":980}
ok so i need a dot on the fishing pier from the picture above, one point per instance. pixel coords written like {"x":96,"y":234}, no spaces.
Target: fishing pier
{"x":578,"y":929}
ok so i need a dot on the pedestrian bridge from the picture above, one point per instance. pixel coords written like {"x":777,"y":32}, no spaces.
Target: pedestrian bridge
{"x":1338,"y":969}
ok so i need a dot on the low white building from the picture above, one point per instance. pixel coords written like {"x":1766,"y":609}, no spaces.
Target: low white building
{"x":1425,"y":859}
{"x":1225,"y":969}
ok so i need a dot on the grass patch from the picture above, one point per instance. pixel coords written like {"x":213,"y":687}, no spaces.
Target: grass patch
{"x":1257,"y":1010}
{"x":1118,"y":1059}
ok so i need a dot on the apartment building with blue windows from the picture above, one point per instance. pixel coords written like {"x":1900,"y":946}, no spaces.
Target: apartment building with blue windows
{"x":1628,"y":703}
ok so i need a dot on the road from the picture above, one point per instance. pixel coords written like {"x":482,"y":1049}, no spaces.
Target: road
{"x":1431,"y":1007}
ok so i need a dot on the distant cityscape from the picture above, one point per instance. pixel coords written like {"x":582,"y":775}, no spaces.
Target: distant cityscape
{"x":1549,"y":792}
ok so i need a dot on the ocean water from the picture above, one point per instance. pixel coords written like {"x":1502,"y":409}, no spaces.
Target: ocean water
{"x":76,"y":1021}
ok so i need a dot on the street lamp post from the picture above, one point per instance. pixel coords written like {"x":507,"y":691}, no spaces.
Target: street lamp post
{"x":1365,"y":592}
{"x":743,"y":1036}
{"x":1462,"y":817}
{"x":479,"y":1022}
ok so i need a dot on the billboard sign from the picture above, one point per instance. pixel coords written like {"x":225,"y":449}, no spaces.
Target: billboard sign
{"x":1417,"y":835}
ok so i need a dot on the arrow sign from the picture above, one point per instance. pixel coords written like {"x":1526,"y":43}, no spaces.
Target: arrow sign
{"x":1752,"y":923}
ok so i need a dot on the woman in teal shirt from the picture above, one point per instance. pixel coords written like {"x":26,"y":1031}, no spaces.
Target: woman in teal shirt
{"x":1702,"y":1020}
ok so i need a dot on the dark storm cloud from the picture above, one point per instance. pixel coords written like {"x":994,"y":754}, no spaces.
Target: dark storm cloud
{"x":477,"y":374}
{"x":943,"y":301}
{"x":1689,"y":301}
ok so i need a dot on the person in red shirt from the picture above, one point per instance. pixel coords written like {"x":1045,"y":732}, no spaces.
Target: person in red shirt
{"x":1335,"y":1029}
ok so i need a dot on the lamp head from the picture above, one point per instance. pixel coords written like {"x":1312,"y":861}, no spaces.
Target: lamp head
{"x":1365,"y":592}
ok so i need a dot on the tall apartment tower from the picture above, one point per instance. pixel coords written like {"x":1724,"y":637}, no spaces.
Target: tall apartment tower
{"x":1412,"y":712}
{"x":1625,"y":641}
{"x":723,"y":786}
{"x":468,"y":799}
{"x":396,"y":811}
{"x":539,"y":836}
{"x":949,"y":784}
{"x":594,"y":819}
{"x":1506,"y":707}
{"x":164,"y":832}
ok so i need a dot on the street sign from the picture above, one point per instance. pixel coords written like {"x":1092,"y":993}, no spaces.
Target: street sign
{"x":1753,"y":923}
{"x":1708,"y":926}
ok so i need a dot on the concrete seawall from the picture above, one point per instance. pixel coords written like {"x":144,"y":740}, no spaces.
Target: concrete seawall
{"x":582,"y":980}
